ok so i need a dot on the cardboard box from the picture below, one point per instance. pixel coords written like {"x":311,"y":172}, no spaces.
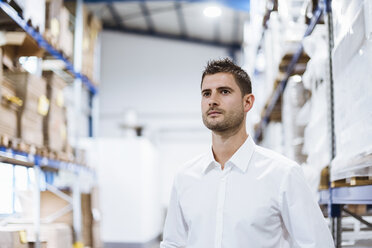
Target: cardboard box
{"x":13,"y":238}
{"x":56,"y":235}
{"x":66,"y":36}
{"x":96,"y":234}
{"x":31,"y":90}
{"x":55,"y":122}
{"x":16,"y":44}
{"x":50,"y":203}
{"x":52,"y":21}
{"x":9,"y":105}
{"x":87,"y":219}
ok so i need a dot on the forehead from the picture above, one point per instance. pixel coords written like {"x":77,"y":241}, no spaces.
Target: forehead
{"x":218,"y":80}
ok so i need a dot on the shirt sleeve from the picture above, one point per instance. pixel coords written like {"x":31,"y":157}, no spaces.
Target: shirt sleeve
{"x":301,"y":214}
{"x":175,"y":228}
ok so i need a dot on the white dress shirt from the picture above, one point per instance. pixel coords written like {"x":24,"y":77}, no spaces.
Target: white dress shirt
{"x":260,"y":199}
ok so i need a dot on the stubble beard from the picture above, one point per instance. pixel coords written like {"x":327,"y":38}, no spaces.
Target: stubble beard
{"x":231,"y":121}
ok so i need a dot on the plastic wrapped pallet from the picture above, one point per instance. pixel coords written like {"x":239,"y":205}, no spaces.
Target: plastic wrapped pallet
{"x":352,"y":59}
{"x":316,"y":137}
{"x":273,"y":137}
{"x":294,"y":98}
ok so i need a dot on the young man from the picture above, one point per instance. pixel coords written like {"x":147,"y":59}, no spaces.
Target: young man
{"x":239,"y":195}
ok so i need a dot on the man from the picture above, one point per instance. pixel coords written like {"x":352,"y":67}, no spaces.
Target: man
{"x":239,"y":195}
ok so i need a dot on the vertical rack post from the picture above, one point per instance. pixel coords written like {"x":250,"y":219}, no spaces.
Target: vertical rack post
{"x":334,"y":210}
{"x":78,"y":45}
{"x":76,"y":206}
{"x":36,"y":207}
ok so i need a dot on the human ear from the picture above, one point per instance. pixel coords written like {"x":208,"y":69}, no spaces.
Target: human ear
{"x":248,"y":102}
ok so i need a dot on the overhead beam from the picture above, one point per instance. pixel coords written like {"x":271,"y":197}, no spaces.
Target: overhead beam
{"x":181,"y":18}
{"x":115,"y":15}
{"x":236,"y":22}
{"x":146,"y":14}
{"x":233,"y":46}
{"x":217,"y":29}
{"x":152,"y":13}
{"x":243,"y":5}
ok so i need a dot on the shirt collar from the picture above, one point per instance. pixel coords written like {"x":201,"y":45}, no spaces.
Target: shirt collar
{"x":240,"y":158}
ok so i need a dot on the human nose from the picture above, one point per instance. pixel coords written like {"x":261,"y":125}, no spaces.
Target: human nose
{"x":213,"y":100}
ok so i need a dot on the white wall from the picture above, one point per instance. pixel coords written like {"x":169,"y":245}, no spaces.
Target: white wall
{"x":159,"y":81}
{"x":158,"y":78}
{"x":129,"y":183}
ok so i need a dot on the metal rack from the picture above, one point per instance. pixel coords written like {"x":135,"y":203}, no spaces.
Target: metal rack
{"x":39,"y":163}
{"x":45,"y":45}
{"x":334,"y":198}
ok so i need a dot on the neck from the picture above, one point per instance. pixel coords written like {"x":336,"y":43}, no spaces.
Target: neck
{"x":225,"y":144}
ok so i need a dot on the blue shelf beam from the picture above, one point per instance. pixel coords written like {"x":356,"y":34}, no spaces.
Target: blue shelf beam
{"x":45,"y":45}
{"x":352,"y":195}
{"x":11,"y":156}
{"x":347,"y":195}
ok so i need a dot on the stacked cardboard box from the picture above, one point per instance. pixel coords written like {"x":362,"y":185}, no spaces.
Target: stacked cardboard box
{"x":58,"y":31}
{"x":15,"y":45}
{"x":92,"y":27}
{"x":55,"y":235}
{"x":52,"y":21}
{"x":13,"y":238}
{"x":31,"y":90}
{"x":55,"y":130}
{"x":90,"y":47}
{"x":9,"y":105}
{"x":87,"y":219}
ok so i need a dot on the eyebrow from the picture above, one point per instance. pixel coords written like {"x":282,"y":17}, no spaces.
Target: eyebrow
{"x":219,"y":88}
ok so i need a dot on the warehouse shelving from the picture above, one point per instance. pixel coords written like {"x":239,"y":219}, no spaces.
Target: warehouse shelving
{"x":40,"y":163}
{"x":45,"y":45}
{"x":281,"y":86}
{"x":11,"y":156}
{"x":347,"y":195}
{"x":334,"y":197}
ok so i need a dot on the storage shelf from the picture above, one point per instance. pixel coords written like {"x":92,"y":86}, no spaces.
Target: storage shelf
{"x":283,"y":83}
{"x":347,"y":195}
{"x":45,"y":45}
{"x":11,"y":156}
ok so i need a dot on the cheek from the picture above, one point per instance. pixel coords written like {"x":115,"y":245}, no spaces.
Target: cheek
{"x":204,"y":105}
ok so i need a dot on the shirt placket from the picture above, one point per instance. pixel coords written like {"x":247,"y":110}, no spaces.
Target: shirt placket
{"x":220,"y":206}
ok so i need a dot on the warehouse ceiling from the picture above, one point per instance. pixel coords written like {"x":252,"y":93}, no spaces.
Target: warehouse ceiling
{"x":177,"y":20}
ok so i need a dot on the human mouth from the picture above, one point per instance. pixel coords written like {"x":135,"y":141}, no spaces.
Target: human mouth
{"x":213,"y":113}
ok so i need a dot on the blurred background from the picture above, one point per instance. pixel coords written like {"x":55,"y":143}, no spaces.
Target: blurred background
{"x":100,"y":106}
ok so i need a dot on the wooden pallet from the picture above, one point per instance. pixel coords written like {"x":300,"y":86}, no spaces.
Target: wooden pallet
{"x":353,"y":181}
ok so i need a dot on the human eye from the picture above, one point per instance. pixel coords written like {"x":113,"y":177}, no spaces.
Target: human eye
{"x":225,"y":91}
{"x":206,"y":94}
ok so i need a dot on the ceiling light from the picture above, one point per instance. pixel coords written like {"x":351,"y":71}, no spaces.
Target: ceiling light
{"x":212,"y":11}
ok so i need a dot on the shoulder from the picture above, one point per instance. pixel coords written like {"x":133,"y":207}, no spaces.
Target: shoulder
{"x":192,"y":169}
{"x":275,"y":159}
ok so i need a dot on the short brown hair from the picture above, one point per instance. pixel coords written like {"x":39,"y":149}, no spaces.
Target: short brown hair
{"x":226,"y":65}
